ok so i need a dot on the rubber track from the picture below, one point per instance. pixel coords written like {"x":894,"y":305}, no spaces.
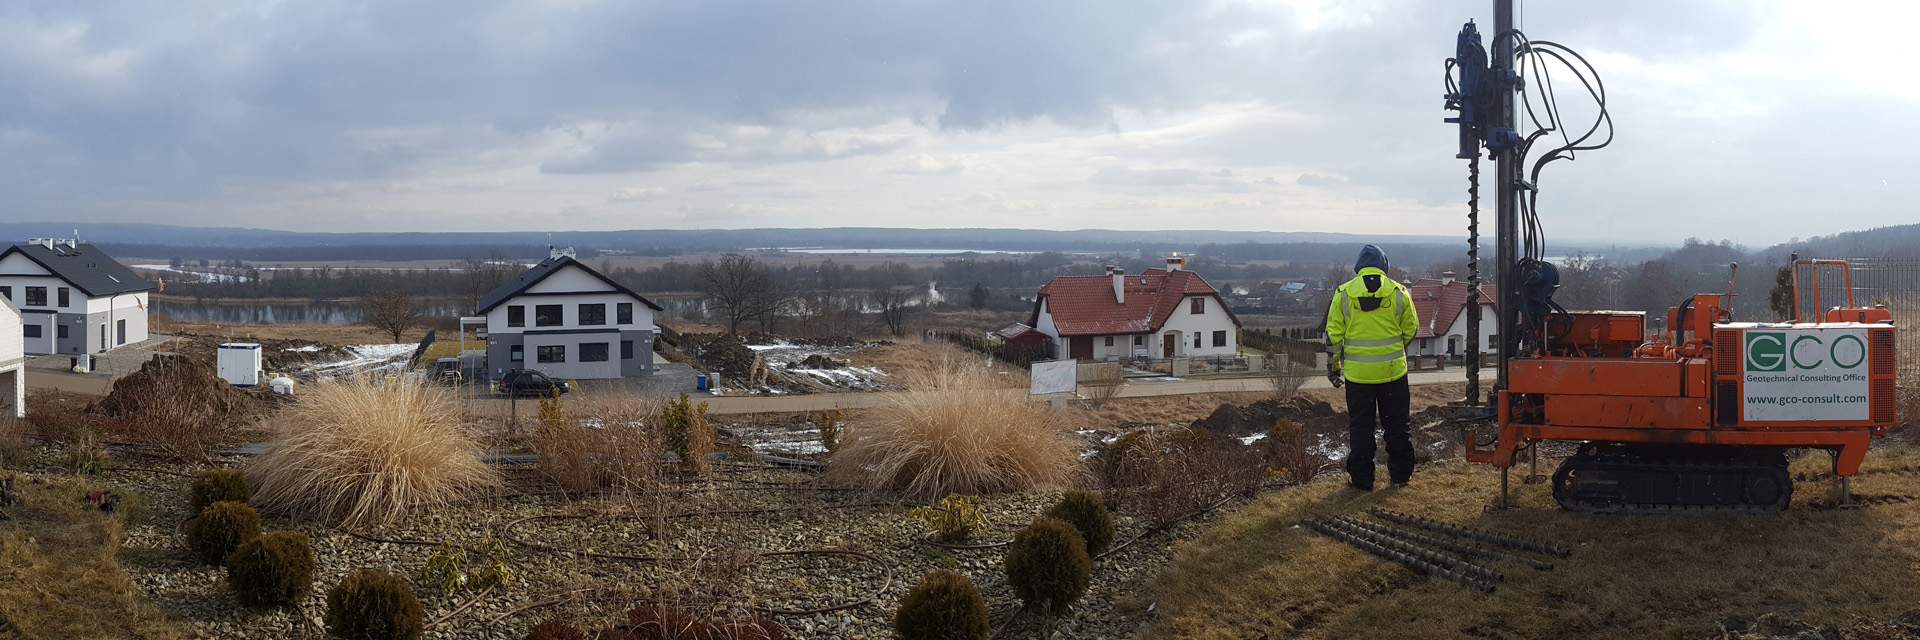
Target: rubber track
{"x":1410,"y":562}
{"x":1470,"y":534}
{"x":1632,"y":462}
{"x":1444,"y":544}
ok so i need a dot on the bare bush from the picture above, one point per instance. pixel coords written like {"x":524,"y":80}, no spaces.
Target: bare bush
{"x":13,"y":440}
{"x":953,"y":432}
{"x":1286,"y":376}
{"x":1103,"y":382}
{"x":358,"y":452}
{"x":172,"y":403}
{"x":1290,"y":453}
{"x":606,"y":443}
{"x":1164,"y":476}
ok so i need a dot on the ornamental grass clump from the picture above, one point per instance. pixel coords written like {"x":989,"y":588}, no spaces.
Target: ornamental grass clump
{"x":1047,"y":564}
{"x":358,"y":453}
{"x":944,"y":606}
{"x":555,"y":630}
{"x":374,"y":605}
{"x":217,"y":485}
{"x":1089,"y":515}
{"x":221,"y":528}
{"x":273,"y":570}
{"x":954,"y":432}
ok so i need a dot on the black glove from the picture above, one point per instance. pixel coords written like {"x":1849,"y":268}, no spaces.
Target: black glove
{"x":1334,"y":377}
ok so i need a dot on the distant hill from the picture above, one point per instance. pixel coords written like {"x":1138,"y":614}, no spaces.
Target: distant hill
{"x":1902,"y":241}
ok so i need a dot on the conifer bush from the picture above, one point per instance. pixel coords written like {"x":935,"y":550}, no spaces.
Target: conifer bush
{"x":273,"y":570}
{"x":944,"y":606}
{"x":1088,"y":514}
{"x":217,"y":485}
{"x":221,"y":528}
{"x":1047,"y":564}
{"x":374,"y":605}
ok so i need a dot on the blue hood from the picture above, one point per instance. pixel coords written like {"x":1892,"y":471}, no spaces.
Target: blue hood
{"x":1371,"y":256}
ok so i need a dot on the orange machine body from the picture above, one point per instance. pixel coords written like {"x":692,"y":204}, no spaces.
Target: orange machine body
{"x":1706,"y":381}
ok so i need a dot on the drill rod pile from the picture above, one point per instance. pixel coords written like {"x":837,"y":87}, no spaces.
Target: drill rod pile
{"x":1510,"y":543}
{"x":1447,"y":545}
{"x":1410,"y":561}
{"x":1455,"y":564}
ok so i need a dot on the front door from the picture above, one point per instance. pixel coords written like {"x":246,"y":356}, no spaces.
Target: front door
{"x":1080,"y":348}
{"x":1172,"y":341}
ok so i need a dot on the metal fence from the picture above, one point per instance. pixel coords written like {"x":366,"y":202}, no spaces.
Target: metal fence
{"x":1890,"y":282}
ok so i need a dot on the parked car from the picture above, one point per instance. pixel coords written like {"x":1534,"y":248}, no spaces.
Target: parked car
{"x":527,"y":382}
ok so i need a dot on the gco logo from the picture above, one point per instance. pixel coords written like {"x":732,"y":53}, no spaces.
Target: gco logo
{"x":1773,"y":351}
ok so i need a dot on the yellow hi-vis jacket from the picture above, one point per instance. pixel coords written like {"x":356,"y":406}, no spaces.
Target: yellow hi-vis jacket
{"x":1370,"y":347}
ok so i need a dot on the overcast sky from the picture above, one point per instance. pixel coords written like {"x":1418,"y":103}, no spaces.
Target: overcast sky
{"x":1741,"y":120}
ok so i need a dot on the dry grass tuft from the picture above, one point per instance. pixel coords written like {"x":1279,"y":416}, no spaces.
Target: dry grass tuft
{"x":58,"y":572}
{"x":1103,"y":382}
{"x":358,"y":452}
{"x":954,"y":432}
{"x":1163,"y":476}
{"x":604,"y":443}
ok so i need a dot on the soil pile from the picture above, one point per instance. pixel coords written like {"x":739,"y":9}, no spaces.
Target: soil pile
{"x":175,"y":384}
{"x":1259,"y":417}
{"x":276,"y":354}
{"x":724,"y":354}
{"x":817,"y":361}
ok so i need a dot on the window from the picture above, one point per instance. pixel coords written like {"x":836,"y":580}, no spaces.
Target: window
{"x":626,"y":349}
{"x":550,"y":353}
{"x":60,"y":331}
{"x":516,"y":353}
{"x":625,"y":313}
{"x":1219,"y":338}
{"x":1196,"y":339}
{"x":548,"y":315}
{"x":595,"y":313}
{"x":1139,"y":341}
{"x":6,"y":292}
{"x":63,"y":296}
{"x":121,"y":327}
{"x":1199,"y":305}
{"x":30,"y":330}
{"x":36,"y":296}
{"x":1109,"y":341}
{"x":593,"y":352}
{"x":516,"y":316}
{"x":1423,"y":343}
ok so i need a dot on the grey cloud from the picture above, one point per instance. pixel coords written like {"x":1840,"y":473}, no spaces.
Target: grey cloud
{"x":1318,"y":179}
{"x":629,"y":195}
{"x":1144,"y":177}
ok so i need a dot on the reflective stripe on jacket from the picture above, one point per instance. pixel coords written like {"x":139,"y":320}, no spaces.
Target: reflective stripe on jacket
{"x":1371,"y":346}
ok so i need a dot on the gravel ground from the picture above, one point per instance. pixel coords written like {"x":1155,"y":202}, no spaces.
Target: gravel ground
{"x":717,"y":568}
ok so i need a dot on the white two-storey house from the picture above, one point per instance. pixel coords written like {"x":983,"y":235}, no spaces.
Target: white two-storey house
{"x":13,"y":360}
{"x":566,"y":320}
{"x":1170,"y":313}
{"x":72,"y":298}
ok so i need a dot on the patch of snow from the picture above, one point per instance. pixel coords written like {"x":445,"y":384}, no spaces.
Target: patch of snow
{"x":1253,"y":438}
{"x":306,"y":349}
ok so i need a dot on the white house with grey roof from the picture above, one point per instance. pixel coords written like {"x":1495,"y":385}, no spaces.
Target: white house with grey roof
{"x":566,"y":320}
{"x":13,"y":373}
{"x":73,"y":299}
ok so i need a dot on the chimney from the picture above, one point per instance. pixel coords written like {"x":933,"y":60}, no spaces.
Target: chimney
{"x":1119,"y":276}
{"x":1176,"y":263}
{"x":553,"y":253}
{"x":1446,"y":277}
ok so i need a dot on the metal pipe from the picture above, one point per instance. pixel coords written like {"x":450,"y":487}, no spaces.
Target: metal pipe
{"x":1506,"y":193}
{"x":1462,"y":532}
{"x":1446,"y":545}
{"x":1410,"y":562}
{"x":1457,"y":565}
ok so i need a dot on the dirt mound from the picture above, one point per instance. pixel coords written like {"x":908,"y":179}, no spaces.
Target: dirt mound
{"x":817,"y":361}
{"x":723,"y":353}
{"x":170,"y":380}
{"x":761,"y":339}
{"x":1260,"y":416}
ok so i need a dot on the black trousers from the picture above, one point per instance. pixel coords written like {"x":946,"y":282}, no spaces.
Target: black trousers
{"x":1389,"y":402}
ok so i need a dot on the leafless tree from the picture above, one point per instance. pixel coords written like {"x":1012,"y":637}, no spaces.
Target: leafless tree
{"x":390,"y":311}
{"x":894,"y":305}
{"x":479,"y":276}
{"x":741,"y":289}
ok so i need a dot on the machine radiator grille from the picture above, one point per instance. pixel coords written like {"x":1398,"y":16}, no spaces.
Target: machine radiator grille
{"x":1726,"y":354}
{"x":1881,"y":353}
{"x":1883,"y":401}
{"x":1726,"y":400}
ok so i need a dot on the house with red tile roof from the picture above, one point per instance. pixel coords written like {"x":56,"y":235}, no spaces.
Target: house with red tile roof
{"x":1162,"y":313}
{"x":1442,"y":304}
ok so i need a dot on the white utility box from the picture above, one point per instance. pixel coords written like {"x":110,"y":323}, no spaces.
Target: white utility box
{"x":240,"y":363}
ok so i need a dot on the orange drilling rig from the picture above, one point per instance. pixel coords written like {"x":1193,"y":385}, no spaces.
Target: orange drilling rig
{"x":1698,"y":415}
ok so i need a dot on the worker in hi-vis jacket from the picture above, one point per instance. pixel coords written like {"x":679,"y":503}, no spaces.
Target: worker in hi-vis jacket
{"x":1369,"y":325}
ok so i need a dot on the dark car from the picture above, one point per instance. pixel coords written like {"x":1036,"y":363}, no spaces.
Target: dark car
{"x":527,"y":382}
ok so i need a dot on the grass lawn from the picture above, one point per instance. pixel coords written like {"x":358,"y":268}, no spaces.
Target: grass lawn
{"x":58,"y":574}
{"x":1257,"y":575}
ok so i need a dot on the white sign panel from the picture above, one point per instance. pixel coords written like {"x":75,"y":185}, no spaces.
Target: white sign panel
{"x":1806,"y":375}
{"x":1054,"y":376}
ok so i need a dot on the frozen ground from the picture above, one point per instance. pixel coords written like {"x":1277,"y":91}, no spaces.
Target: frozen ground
{"x":366,"y":358}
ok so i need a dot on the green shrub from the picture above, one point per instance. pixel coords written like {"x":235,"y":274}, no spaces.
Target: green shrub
{"x":374,"y":605}
{"x":555,"y":630}
{"x":221,"y":528}
{"x":1087,"y":513}
{"x":217,"y":485}
{"x":1047,"y":564}
{"x":944,"y":606}
{"x":953,"y":520}
{"x":273,"y":570}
